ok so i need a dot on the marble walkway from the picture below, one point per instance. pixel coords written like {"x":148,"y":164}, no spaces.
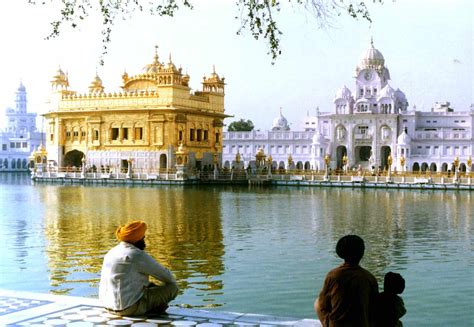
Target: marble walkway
{"x":34,"y":309}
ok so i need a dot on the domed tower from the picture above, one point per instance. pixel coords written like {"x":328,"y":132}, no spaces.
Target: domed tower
{"x":371,"y":77}
{"x":403,"y":150}
{"x":214,"y":83}
{"x":20,"y":99}
{"x":96,"y":86}
{"x":401,"y":102}
{"x":386,"y":100}
{"x":60,"y":81}
{"x":280,"y":123}
{"x":344,"y":101}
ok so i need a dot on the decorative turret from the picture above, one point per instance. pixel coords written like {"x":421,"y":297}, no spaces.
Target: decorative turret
{"x":344,"y":101}
{"x":20,"y":99}
{"x":280,"y":123}
{"x":96,"y":85}
{"x":214,"y":83}
{"x":60,"y":80}
{"x":155,"y":67}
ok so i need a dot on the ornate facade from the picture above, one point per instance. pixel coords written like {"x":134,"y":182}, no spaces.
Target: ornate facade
{"x":370,"y":128}
{"x":20,"y":136}
{"x":142,"y":125}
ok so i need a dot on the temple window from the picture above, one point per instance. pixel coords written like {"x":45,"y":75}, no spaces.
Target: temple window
{"x":206,"y":135}
{"x":51,"y":137}
{"x":138,"y":133}
{"x":83,"y":134}
{"x":199,"y":135}
{"x":115,"y":133}
{"x":125,"y":133}
{"x":96,"y":135}
{"x":180,"y":136}
{"x":68,"y":135}
{"x":217,"y":137}
{"x":75,"y":135}
{"x":191,"y":134}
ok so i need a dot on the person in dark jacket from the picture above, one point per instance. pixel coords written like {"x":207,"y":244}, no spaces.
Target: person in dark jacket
{"x":349,"y":292}
{"x":390,"y":306}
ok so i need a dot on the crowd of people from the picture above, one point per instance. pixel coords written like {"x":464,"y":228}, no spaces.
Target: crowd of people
{"x":349,"y":297}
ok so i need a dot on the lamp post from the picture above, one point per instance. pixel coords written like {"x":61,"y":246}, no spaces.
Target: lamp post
{"x":402,"y":163}
{"x":327,"y":160}
{"x":83,"y":166}
{"x":456,"y":171}
{"x":345,"y":163}
{"x":389,"y":163}
{"x":129,"y":167}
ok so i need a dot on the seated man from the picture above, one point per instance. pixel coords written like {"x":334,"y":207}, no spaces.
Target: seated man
{"x":124,"y":286}
{"x":350,"y":292}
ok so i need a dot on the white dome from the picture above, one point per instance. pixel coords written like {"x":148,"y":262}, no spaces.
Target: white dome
{"x":318,"y":138}
{"x":404,"y":139}
{"x":372,"y":58}
{"x":387,"y":92}
{"x":280,"y":123}
{"x":344,"y":93}
{"x":400,"y":95}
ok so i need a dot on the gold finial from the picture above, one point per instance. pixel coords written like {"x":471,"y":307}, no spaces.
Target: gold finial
{"x":372,"y":41}
{"x":170,"y":61}
{"x":214,"y":68}
{"x":156,"y":54}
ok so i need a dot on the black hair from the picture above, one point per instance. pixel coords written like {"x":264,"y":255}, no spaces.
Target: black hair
{"x":350,"y":248}
{"x":393,"y":283}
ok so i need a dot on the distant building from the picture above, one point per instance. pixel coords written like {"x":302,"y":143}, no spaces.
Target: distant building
{"x":144,"y":124}
{"x":20,"y":137}
{"x":366,"y":127}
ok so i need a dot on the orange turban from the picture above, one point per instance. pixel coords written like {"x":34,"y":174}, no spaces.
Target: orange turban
{"x":131,"y":232}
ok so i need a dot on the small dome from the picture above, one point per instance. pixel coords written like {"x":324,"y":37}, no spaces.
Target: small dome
{"x":344,"y":93}
{"x":400,"y":95}
{"x":318,"y":138}
{"x":387,"y":92}
{"x":21,"y":88}
{"x":372,"y":58}
{"x":155,"y":67}
{"x":280,"y":123}
{"x":404,"y":138}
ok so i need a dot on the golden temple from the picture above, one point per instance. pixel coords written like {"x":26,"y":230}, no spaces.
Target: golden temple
{"x":144,"y":124}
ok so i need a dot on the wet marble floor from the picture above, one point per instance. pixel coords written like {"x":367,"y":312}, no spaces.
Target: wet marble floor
{"x":33,"y":309}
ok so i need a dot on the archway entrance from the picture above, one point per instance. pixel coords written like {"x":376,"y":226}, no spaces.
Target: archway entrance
{"x":362,"y":154}
{"x":341,"y":151}
{"x":384,"y":153}
{"x":73,"y":158}
{"x":163,"y":161}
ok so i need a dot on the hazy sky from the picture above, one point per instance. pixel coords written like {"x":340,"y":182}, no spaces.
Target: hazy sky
{"x":427,"y":45}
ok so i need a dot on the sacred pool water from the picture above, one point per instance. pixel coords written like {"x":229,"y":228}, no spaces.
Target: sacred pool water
{"x":259,"y":250}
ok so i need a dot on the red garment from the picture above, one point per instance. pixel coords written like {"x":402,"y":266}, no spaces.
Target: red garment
{"x":348,"y":297}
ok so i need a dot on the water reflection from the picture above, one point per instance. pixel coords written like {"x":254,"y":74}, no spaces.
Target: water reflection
{"x":185,"y":233}
{"x":264,"y":250}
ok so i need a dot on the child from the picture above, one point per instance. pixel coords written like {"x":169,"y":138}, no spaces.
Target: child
{"x":390,"y":306}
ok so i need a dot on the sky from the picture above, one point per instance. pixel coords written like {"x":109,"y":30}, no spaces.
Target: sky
{"x":427,"y":45}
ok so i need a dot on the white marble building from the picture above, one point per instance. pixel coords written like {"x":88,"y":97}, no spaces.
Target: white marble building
{"x":367,"y":126}
{"x":19,"y":137}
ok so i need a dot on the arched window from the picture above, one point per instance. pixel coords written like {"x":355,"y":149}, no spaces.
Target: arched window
{"x":416,"y":167}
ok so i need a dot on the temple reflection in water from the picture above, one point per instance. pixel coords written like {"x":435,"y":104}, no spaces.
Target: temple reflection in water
{"x":242,"y":249}
{"x":81,"y":221}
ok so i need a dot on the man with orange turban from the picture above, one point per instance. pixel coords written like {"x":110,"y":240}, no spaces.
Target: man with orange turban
{"x":124,"y":286}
